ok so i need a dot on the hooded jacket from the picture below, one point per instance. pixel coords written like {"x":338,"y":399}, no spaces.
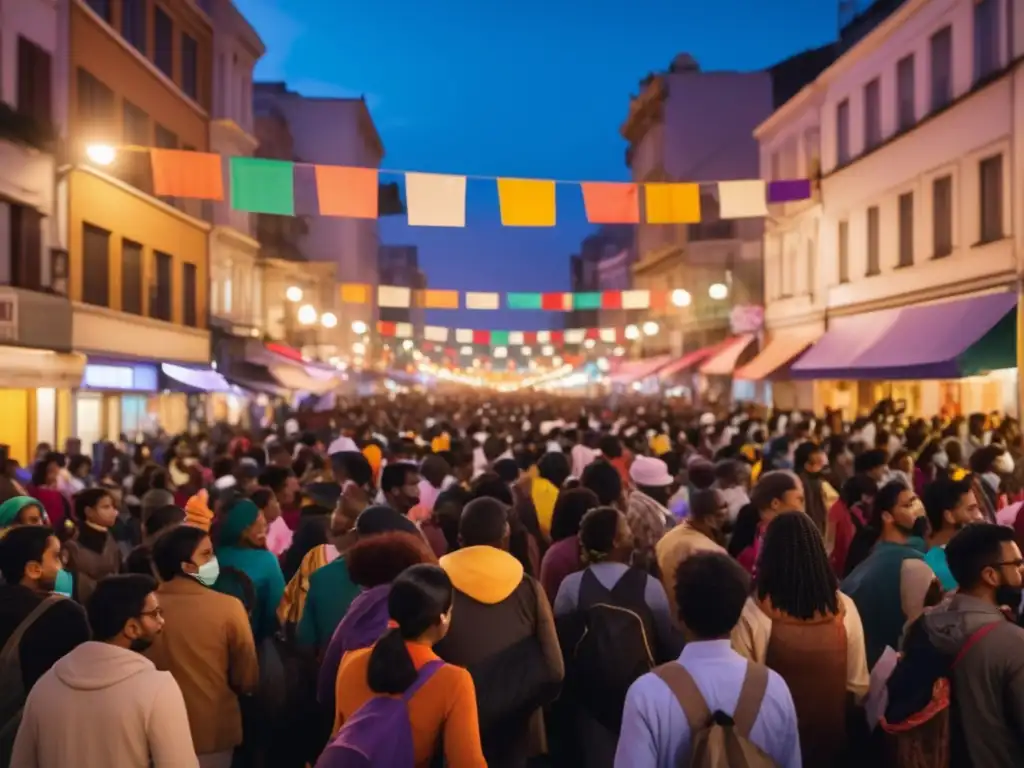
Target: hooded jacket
{"x":365,"y":621}
{"x":500,"y":613}
{"x":105,"y":706}
{"x":987,"y":703}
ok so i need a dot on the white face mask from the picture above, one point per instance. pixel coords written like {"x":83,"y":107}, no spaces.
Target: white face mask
{"x":940,"y":459}
{"x":208,"y":572}
{"x":1003,"y":464}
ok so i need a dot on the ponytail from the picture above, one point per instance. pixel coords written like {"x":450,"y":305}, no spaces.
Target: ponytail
{"x":391,"y":669}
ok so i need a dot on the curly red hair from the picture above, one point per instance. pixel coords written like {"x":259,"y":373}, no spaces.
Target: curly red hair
{"x":378,"y":559}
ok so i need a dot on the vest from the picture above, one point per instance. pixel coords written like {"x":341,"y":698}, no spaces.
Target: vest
{"x":874,"y":586}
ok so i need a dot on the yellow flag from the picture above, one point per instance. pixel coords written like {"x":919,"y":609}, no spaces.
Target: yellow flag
{"x":355,"y":293}
{"x":527,"y":202}
{"x":670,"y":203}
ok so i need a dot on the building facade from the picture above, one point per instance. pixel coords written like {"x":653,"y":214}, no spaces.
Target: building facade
{"x":917,"y":126}
{"x":588,"y":273}
{"x":139,"y":74}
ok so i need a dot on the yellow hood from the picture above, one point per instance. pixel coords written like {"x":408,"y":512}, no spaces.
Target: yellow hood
{"x":486,"y":574}
{"x":544,"y":494}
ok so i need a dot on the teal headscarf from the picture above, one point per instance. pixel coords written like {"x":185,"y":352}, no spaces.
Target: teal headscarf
{"x":240,"y":516}
{"x":11,"y":508}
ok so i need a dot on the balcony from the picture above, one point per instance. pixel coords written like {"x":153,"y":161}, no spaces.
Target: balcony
{"x":34,"y":319}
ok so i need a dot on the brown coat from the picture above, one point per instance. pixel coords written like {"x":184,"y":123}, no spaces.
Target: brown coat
{"x":207,"y":645}
{"x":90,"y":567}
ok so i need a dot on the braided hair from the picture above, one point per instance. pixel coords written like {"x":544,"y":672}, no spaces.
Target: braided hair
{"x":598,"y":530}
{"x":794,"y":571}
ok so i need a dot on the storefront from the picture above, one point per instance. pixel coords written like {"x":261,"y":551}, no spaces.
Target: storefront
{"x":770,"y":369}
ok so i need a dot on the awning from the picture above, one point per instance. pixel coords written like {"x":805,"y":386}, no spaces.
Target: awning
{"x":691,"y":359}
{"x":28,"y":368}
{"x":303,"y":380}
{"x":202,"y":379}
{"x":946,"y":340}
{"x":785,"y":345}
{"x":255,"y":378}
{"x":723,"y":362}
{"x":638,"y":370}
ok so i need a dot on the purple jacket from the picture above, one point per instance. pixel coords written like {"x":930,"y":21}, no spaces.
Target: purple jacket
{"x":364,"y":623}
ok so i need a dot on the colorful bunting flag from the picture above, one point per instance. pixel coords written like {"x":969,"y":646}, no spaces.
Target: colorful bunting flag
{"x":672,"y":203}
{"x":385,"y":328}
{"x":500,"y":338}
{"x":355,"y":293}
{"x":435,"y":299}
{"x":435,"y":200}
{"x":262,"y":186}
{"x":463,"y":336}
{"x":394,"y":296}
{"x":523,"y":300}
{"x":741,"y":199}
{"x":586,"y":300}
{"x":611,"y":203}
{"x":543,"y":337}
{"x":177,"y":173}
{"x":477,"y":300}
{"x":788,"y":190}
{"x":611,"y":300}
{"x":403,"y":330}
{"x":344,"y":191}
{"x":517,"y":338}
{"x":435,"y":333}
{"x":608,"y":335}
{"x":556,"y":302}
{"x":481,"y":337}
{"x":575,"y":336}
{"x":527,"y":202}
{"x":636,"y":299}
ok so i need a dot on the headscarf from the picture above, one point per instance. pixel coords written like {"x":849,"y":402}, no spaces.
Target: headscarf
{"x":11,"y":508}
{"x":373,"y":455}
{"x":240,"y":516}
{"x":198,"y":512}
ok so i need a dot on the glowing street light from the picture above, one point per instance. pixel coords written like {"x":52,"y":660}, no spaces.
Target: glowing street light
{"x":359,"y":348}
{"x":500,"y":352}
{"x":526,"y":351}
{"x":556,"y":361}
{"x":293,"y":294}
{"x":603,"y":364}
{"x":329,"y":320}
{"x":589,"y":343}
{"x":650,"y":328}
{"x":632,"y":332}
{"x":307,"y":314}
{"x":359,"y":327}
{"x":467,"y":350}
{"x":547,"y":350}
{"x":718,"y":291}
{"x":407,"y":344}
{"x":681,"y":298}
{"x":101,"y":154}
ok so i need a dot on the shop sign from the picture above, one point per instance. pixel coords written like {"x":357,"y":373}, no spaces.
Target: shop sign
{"x":126,"y":378}
{"x":8,"y":316}
{"x":746,"y":318}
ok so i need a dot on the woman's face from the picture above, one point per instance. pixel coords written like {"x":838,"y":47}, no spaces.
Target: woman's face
{"x":256,"y":534}
{"x":790,"y":501}
{"x":104,"y":514}
{"x":203,"y":553}
{"x":52,"y":473}
{"x":31,"y":515}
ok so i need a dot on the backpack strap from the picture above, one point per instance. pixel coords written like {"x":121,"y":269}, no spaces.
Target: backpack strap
{"x":972,"y":640}
{"x":14,"y":641}
{"x":690,"y":699}
{"x":591,"y":590}
{"x":426,"y":672}
{"x":632,"y":585}
{"x":755,"y":684}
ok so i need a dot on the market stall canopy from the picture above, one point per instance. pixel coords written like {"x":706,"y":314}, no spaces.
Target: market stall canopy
{"x":30,"y":368}
{"x":203,"y":379}
{"x":303,"y":379}
{"x":785,"y":346}
{"x":691,"y":359}
{"x":944,"y":340}
{"x":631,"y":371}
{"x":723,"y":362}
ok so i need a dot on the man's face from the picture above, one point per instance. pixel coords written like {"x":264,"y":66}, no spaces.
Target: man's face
{"x":906,"y":512}
{"x":407,"y":496}
{"x":44,"y":573}
{"x":142,"y":630}
{"x":966,"y":511}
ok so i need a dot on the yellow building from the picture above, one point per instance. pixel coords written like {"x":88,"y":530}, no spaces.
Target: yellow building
{"x":139,"y":76}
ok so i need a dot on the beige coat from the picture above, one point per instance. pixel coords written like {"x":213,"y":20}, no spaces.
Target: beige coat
{"x":207,"y":645}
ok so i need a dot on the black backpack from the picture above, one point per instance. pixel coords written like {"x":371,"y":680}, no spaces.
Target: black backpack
{"x":609,"y":641}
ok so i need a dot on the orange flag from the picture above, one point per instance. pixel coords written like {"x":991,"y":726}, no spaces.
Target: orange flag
{"x":671,"y":203}
{"x":436,"y":299}
{"x":349,"y":192}
{"x":355,"y":293}
{"x":611,"y":202}
{"x":180,"y":173}
{"x":527,"y":202}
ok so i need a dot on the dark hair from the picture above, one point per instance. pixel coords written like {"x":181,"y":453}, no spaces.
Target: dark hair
{"x":489,"y":485}
{"x":483,"y":522}
{"x":867,"y":536}
{"x":435,"y":469}
{"x":727,"y":473}
{"x":419,"y":597}
{"x":261,"y":497}
{"x":973,"y":549}
{"x":604,"y":480}
{"x":379,"y":559}
{"x":941,"y":496}
{"x":705,"y":503}
{"x":983,"y":458}
{"x":744,"y":529}
{"x":115,"y":601}
{"x":597,"y":533}
{"x":493,"y":447}
{"x":275,"y":478}
{"x":803,"y":454}
{"x":570,"y":507}
{"x":394,"y":476}
{"x":856,"y":488}
{"x":87,"y":499}
{"x":701,"y":474}
{"x":869,"y":460}
{"x":711,"y":589}
{"x":75,"y":463}
{"x":20,"y":546}
{"x":162,"y":518}
{"x":40,"y":468}
{"x":771,"y":486}
{"x":610,"y":446}
{"x":555,"y":468}
{"x":794,"y":571}
{"x":174,"y":547}
{"x":507,"y":470}
{"x":358,"y":469}
{"x":312,"y":531}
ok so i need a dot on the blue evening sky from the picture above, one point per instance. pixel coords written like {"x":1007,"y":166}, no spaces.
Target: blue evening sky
{"x":534,"y":88}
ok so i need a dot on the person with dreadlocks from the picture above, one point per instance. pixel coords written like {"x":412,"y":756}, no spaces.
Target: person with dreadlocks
{"x":798,"y":623}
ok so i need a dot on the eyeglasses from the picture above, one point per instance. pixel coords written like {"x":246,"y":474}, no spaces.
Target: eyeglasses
{"x":1018,"y":563}
{"x":156,"y":613}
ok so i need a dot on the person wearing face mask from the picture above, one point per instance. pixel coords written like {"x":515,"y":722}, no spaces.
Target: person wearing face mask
{"x":207,"y":643}
{"x":92,"y":554}
{"x":105,"y":703}
{"x":950,"y":505}
{"x":890,"y":585}
{"x":988,"y":467}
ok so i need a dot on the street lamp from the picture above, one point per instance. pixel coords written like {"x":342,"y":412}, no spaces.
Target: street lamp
{"x":101,"y":154}
{"x":307,"y":314}
{"x":526,"y":351}
{"x":547,"y":350}
{"x":293,"y":294}
{"x":632,"y":332}
{"x":589,"y":343}
{"x":359,"y":327}
{"x":328,"y":320}
{"x":603,"y":364}
{"x":619,"y":351}
{"x":718,"y":291}
{"x":467,"y":350}
{"x":681,"y":298}
{"x":650,"y":328}
{"x":407,"y":344}
{"x":500,"y":352}
{"x":359,"y":348}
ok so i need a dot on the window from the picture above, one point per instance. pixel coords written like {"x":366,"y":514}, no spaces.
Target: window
{"x":906,"y":230}
{"x":986,"y":38}
{"x":133,"y":23}
{"x":189,"y":288}
{"x":131,"y":277}
{"x":843,"y":132}
{"x":990,"y":185}
{"x":906,"y":114}
{"x":26,"y":247}
{"x":95,"y":103}
{"x":844,"y":251}
{"x":874,"y":259}
{"x":34,"y":82}
{"x":872,"y":115}
{"x":166,"y":139}
{"x":776,"y":170}
{"x":941,"y":46}
{"x":811,"y":268}
{"x":160,"y":294}
{"x":942,"y":217}
{"x":163,"y":37}
{"x":101,"y":7}
{"x":136,"y":166}
{"x":95,"y":266}
{"x":189,"y":66}
{"x":812,"y":153}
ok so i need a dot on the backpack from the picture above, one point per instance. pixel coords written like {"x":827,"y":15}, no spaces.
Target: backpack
{"x":915,"y":726}
{"x":379,"y":733}
{"x":12,"y":686}
{"x":610,"y":641}
{"x":718,"y":740}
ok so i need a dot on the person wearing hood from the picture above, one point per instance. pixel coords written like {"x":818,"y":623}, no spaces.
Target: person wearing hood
{"x":503,"y":631}
{"x":987,"y":678}
{"x":104,"y":703}
{"x":646,"y":511}
{"x":207,"y":643}
{"x":373,"y":564}
{"x":242,"y":541}
{"x":21,"y":510}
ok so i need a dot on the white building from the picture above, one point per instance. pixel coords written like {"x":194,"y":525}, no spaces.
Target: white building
{"x":917,"y":125}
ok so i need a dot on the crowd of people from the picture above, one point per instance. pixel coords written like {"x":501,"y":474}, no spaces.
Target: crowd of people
{"x":516,"y":580}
